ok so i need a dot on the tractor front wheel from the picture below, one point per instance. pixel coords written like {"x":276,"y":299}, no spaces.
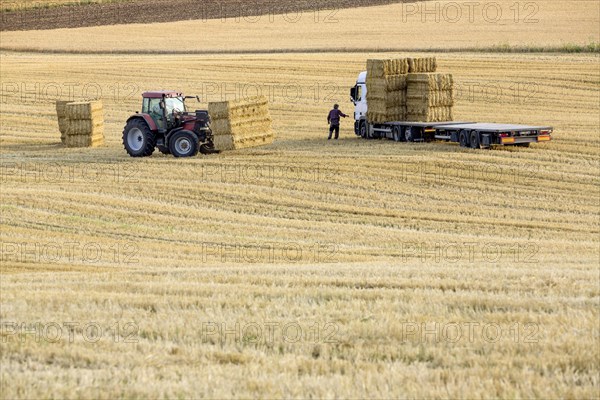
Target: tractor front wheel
{"x":138,"y":139}
{"x":184,"y":144}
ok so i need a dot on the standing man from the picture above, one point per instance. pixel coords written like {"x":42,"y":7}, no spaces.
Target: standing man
{"x":333,"y":119}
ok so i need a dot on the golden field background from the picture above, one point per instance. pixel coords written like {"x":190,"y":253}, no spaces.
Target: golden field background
{"x":405,"y":26}
{"x":349,"y":236}
{"x":364,"y":204}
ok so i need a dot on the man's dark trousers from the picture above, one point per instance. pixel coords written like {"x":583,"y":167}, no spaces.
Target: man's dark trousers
{"x":335,"y":128}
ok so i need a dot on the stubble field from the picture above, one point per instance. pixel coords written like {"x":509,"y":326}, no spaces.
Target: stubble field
{"x":329,"y":26}
{"x":362,"y":239}
{"x":306,"y":268}
{"x":26,"y":15}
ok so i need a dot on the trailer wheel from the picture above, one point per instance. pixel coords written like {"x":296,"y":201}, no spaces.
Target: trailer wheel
{"x":475,"y":142}
{"x":408,"y":135}
{"x":522,"y":144}
{"x":486,"y":142}
{"x":463,"y":139}
{"x":397,"y":133}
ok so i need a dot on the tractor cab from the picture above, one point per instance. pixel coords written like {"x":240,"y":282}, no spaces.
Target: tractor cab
{"x":164,"y":107}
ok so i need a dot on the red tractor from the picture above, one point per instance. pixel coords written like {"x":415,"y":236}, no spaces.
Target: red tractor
{"x":164,"y":123}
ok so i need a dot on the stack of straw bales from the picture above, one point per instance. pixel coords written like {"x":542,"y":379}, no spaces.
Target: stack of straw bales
{"x":81,"y":124}
{"x":386,"y":89}
{"x":430,"y":97}
{"x":63,"y":122}
{"x":425,"y":64}
{"x":407,"y":89}
{"x":240,"y":124}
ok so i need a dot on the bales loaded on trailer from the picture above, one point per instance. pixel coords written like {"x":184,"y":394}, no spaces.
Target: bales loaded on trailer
{"x":428,"y":99}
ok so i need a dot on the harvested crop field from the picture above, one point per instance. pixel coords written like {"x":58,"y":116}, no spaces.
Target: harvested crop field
{"x":305,"y":268}
{"x":39,"y":16}
{"x":550,"y":25}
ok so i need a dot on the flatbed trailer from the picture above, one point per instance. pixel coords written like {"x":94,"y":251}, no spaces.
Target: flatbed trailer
{"x":467,"y":134}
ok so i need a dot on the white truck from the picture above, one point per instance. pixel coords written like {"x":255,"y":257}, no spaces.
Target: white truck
{"x":467,"y":134}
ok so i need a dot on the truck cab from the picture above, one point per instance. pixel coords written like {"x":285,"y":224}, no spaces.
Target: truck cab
{"x":358,"y":96}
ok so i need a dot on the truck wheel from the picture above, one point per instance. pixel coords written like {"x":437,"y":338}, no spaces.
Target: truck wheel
{"x":363,"y":130}
{"x":463,"y":140}
{"x":184,"y":144}
{"x":138,"y":139}
{"x":397,"y":134}
{"x":475,"y":142}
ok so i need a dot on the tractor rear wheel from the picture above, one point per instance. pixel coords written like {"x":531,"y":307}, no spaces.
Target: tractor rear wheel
{"x":184,"y":144}
{"x":138,"y":139}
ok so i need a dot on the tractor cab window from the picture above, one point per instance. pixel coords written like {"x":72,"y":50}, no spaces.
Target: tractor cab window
{"x":155,"y":111}
{"x":145,"y":106}
{"x":174,"y":103}
{"x":154,"y":107}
